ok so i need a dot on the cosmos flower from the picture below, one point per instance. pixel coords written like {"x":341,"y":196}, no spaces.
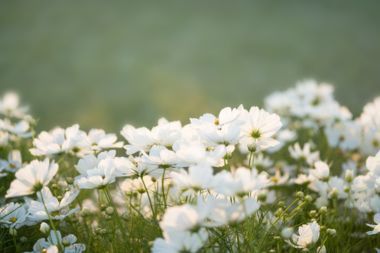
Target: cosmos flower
{"x":259,"y":129}
{"x":376,"y":226}
{"x":48,"y":205}
{"x":308,"y":234}
{"x":13,"y":215}
{"x":32,"y":178}
{"x":101,"y":170}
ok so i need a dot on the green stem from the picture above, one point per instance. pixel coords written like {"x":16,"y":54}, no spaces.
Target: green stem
{"x":149,"y":199}
{"x":60,"y":245}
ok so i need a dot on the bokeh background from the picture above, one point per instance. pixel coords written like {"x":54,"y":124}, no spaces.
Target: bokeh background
{"x":105,"y":63}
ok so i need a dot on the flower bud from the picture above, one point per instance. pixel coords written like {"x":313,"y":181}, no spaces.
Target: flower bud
{"x":12,"y":231}
{"x":323,"y":210}
{"x":109,"y":210}
{"x":313,"y":213}
{"x":308,"y":198}
{"x":44,"y":228}
{"x":300,"y":195}
{"x":287,"y":232}
{"x":70,"y":180}
{"x":331,"y":231}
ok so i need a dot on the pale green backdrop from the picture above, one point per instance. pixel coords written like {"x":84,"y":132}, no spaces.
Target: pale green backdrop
{"x":105,"y":63}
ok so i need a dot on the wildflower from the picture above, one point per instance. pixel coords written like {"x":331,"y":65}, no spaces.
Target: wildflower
{"x":139,"y":139}
{"x":55,"y":241}
{"x":48,"y":205}
{"x":180,"y":242}
{"x":181,"y":218}
{"x":13,"y":163}
{"x":20,"y":129}
{"x":258,"y":130}
{"x":223,"y":129}
{"x":100,"y":140}
{"x":376,"y":226}
{"x":13,"y":215}
{"x":343,"y":134}
{"x":10,"y":106}
{"x":321,"y":171}
{"x":307,"y":234}
{"x":240,"y":182}
{"x":197,"y":177}
{"x":303,"y":154}
{"x":44,"y":228}
{"x":98,"y":171}
{"x":32,"y":178}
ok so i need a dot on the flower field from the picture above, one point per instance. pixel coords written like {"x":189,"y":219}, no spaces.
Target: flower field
{"x":301,"y":174}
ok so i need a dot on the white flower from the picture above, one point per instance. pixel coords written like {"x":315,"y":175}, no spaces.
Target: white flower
{"x":100,"y":140}
{"x":56,"y":209}
{"x":19,"y":129}
{"x":307,"y":234}
{"x":223,"y":212}
{"x":102,"y":170}
{"x":166,"y":133}
{"x":304,"y":153}
{"x":59,"y":140}
{"x":13,"y":163}
{"x":139,"y":139}
{"x":181,"y":218}
{"x":10,"y":106}
{"x":195,"y":153}
{"x":181,"y":241}
{"x":31,"y":178}
{"x":196,"y":178}
{"x":376,"y":226}
{"x":258,"y":130}
{"x":224,"y":129}
{"x":137,"y":185}
{"x":343,"y":134}
{"x":13,"y":215}
{"x":44,"y":227}
{"x":240,"y":182}
{"x":51,"y":244}
{"x":321,"y":171}
{"x":48,"y":143}
{"x":287,"y":232}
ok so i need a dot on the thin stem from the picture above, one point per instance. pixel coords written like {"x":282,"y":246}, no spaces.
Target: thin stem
{"x":149,"y":199}
{"x":163,"y":188}
{"x":60,"y":245}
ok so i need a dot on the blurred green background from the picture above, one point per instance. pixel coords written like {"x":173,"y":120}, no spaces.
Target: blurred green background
{"x":105,"y":63}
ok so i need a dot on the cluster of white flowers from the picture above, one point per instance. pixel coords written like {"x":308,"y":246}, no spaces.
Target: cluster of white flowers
{"x":200,"y":185}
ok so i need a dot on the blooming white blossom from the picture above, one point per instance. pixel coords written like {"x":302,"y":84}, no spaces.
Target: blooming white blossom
{"x":55,"y":241}
{"x":73,"y":140}
{"x":376,"y":226}
{"x":13,"y":215}
{"x":31,"y":178}
{"x":101,"y":170}
{"x":259,"y":129}
{"x":10,"y":106}
{"x":48,"y":205}
{"x":13,"y":163}
{"x":240,"y":182}
{"x":196,"y":178}
{"x":304,"y":153}
{"x":308,"y":234}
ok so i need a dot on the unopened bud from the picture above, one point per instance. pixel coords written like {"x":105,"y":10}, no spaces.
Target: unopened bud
{"x":331,"y":231}
{"x":109,"y":210}
{"x":308,"y":198}
{"x":12,"y":231}
{"x":300,"y":195}
{"x":323,"y":210}
{"x":44,"y":228}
